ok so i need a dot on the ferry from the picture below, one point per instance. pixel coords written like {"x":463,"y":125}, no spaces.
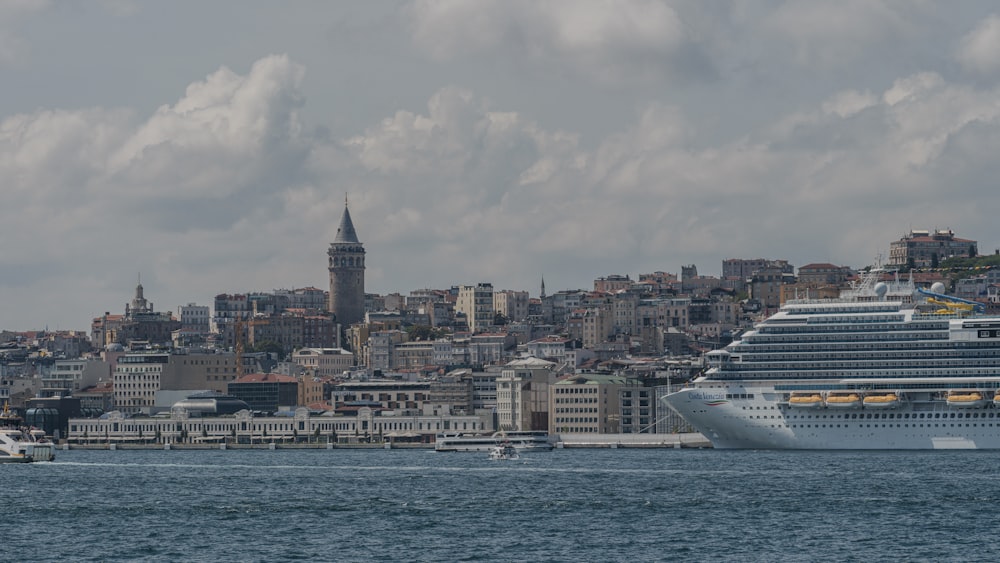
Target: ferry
{"x":19,"y":444}
{"x":884,"y":366}
{"x":522,"y":441}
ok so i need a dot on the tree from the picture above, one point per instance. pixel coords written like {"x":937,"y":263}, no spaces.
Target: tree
{"x":934,"y":260}
{"x":424,"y":332}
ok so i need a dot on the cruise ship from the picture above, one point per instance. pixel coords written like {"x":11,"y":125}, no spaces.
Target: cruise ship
{"x":885,"y":366}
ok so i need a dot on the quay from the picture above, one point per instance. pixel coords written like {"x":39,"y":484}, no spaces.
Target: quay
{"x":683,"y":440}
{"x":562,"y":441}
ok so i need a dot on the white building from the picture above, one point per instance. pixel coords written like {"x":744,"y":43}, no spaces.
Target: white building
{"x":324,"y":362}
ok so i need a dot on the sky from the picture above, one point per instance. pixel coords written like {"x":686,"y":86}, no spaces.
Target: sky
{"x":208,"y":147}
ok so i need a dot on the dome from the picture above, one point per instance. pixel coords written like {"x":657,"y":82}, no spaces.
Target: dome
{"x":881,"y":289}
{"x":937,"y":287}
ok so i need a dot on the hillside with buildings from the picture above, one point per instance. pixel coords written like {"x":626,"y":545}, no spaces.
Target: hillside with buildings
{"x":345,"y":365}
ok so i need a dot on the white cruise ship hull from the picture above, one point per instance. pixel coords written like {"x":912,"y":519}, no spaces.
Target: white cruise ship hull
{"x":759,"y":417}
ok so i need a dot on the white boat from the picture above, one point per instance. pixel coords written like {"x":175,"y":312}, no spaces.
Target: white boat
{"x":503,"y":452}
{"x":522,"y":441}
{"x":19,"y":444}
{"x":880,"y":341}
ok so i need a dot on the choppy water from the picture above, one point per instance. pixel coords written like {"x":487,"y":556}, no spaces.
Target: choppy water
{"x":567,"y":505}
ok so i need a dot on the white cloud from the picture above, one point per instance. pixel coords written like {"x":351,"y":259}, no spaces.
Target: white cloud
{"x":839,"y":33}
{"x":979,"y":50}
{"x":600,"y":39}
{"x":497,"y":152}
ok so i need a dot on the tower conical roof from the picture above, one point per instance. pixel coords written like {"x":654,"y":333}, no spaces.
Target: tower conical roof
{"x":346,"y":232}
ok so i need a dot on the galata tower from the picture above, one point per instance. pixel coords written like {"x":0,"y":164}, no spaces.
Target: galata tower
{"x":347,"y":273}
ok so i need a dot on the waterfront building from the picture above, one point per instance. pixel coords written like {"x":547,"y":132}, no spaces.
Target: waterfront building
{"x":75,"y":374}
{"x":137,"y":376}
{"x":591,"y":403}
{"x":523,"y":394}
{"x":300,"y":425}
{"x":346,"y":266}
{"x":266,"y":392}
{"x":447,"y":395}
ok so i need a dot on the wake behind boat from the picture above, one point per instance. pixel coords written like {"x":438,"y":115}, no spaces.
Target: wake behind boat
{"x":504,"y":451}
{"x":19,"y":444}
{"x":885,"y":366}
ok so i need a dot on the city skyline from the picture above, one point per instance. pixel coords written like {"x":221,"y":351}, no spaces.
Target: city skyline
{"x":487,"y":141}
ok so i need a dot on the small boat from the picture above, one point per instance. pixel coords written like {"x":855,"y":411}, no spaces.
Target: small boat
{"x":843,"y":400}
{"x":806,"y":400}
{"x":19,"y":444}
{"x":966,"y":399}
{"x":882,"y":401}
{"x":504,"y":451}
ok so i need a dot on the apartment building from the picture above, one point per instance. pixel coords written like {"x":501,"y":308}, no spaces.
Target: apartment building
{"x":476,"y":302}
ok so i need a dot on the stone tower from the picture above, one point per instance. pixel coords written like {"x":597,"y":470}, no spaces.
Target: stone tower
{"x":347,"y":273}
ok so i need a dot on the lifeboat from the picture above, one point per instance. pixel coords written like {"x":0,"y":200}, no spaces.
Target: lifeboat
{"x":882,"y":401}
{"x":843,"y":401}
{"x":966,"y":399}
{"x":996,"y":399}
{"x":806,"y":400}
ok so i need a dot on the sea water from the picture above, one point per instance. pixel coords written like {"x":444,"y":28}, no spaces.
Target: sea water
{"x":564,"y":505}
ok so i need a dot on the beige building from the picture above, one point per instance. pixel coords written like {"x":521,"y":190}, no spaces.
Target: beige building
{"x":523,"y":394}
{"x":137,"y":377}
{"x":511,"y":304}
{"x":924,"y":249}
{"x":476,"y":302}
{"x":587,"y":403}
{"x":324,"y":362}
{"x":598,"y":325}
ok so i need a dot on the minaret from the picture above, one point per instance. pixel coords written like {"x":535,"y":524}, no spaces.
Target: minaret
{"x":543,"y":288}
{"x":347,"y":273}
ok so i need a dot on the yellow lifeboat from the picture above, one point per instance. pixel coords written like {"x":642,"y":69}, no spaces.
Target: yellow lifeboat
{"x":966,"y":399}
{"x":882,"y":401}
{"x":843,"y":400}
{"x":806,"y":400}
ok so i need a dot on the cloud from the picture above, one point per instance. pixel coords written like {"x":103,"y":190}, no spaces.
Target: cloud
{"x":979,"y":50}
{"x":198,"y":182}
{"x":598,"y":39}
{"x":12,"y":12}
{"x":834,"y":34}
{"x":225,"y":190}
